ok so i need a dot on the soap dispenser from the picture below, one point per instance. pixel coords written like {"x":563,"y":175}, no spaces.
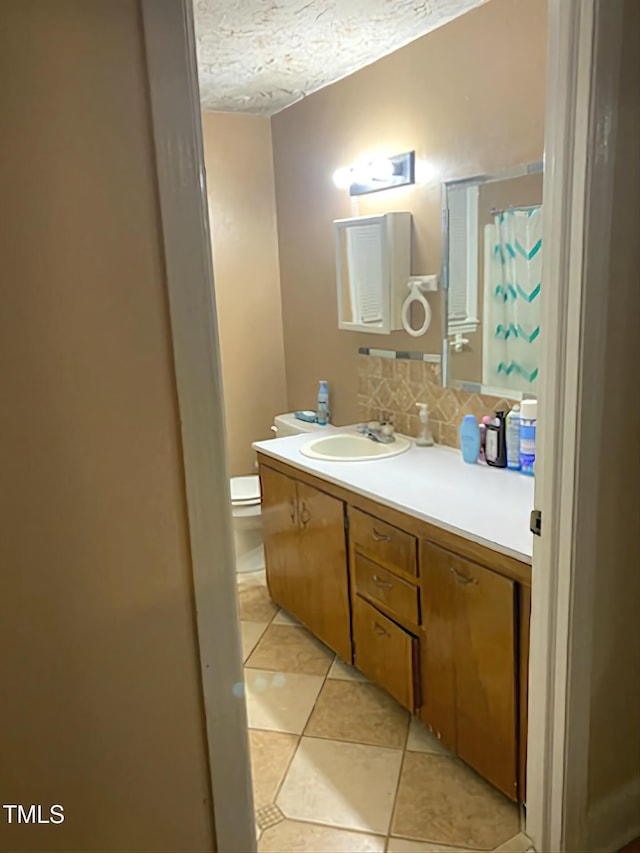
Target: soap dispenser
{"x":425,"y":437}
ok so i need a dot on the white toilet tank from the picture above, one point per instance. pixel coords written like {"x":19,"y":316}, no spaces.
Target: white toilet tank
{"x":245,"y":499}
{"x":288,"y":424}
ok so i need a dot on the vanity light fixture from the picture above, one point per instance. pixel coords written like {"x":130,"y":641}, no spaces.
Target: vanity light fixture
{"x":379,"y":173}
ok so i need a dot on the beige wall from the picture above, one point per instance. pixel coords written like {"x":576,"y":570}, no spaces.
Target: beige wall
{"x":614,"y":746}
{"x":101,"y":707}
{"x":239,"y":163}
{"x":469,"y":98}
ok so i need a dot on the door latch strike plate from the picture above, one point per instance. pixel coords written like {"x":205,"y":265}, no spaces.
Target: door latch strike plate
{"x":535,"y":522}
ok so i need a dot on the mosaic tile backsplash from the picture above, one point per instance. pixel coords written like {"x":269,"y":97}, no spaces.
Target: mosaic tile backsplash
{"x":395,"y":385}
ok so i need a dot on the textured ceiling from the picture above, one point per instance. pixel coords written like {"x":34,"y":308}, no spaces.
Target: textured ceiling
{"x":260,"y":56}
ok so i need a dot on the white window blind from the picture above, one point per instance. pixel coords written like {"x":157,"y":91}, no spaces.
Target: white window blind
{"x":365,"y":261}
{"x":462,"y":204}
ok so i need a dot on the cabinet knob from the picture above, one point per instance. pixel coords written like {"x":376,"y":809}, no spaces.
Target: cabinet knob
{"x":292,"y":511}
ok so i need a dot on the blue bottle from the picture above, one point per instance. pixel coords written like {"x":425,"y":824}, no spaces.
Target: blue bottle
{"x":470,"y":439}
{"x":528,"y":423}
{"x":323,"y":413}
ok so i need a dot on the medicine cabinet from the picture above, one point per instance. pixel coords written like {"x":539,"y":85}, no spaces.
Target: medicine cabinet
{"x":373,"y":266}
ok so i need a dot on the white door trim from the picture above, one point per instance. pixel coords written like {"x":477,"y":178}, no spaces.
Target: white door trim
{"x":583,"y":51}
{"x":175,"y":108}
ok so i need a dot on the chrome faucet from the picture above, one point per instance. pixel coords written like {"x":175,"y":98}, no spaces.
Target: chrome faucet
{"x":378,"y":431}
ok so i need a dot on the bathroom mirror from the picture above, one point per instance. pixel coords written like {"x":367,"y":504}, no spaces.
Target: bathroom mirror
{"x":491,"y":273}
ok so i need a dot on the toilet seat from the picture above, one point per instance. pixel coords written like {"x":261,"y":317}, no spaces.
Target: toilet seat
{"x":245,"y":491}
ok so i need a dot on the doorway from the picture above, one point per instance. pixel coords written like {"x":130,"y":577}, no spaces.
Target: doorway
{"x":548,"y":818}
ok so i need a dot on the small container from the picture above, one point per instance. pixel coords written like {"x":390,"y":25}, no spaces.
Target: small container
{"x":528,"y":424}
{"x":496,"y":444}
{"x":306,"y":415}
{"x":425,"y":436}
{"x":470,"y":439}
{"x":483,"y":436}
{"x":323,"y":413}
{"x":513,"y":439}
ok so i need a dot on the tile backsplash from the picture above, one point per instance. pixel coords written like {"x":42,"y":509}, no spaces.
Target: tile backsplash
{"x":395,"y":384}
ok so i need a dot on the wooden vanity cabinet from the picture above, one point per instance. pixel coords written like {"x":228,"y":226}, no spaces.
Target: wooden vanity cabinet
{"x":468,"y":663}
{"x":440,"y":622}
{"x":306,"y":556}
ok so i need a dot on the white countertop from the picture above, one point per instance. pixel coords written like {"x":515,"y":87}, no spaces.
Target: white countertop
{"x":490,"y":506}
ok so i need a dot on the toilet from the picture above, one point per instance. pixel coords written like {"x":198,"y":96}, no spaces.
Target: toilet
{"x":246,"y":502}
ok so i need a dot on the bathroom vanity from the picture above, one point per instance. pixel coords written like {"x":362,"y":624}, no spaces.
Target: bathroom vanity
{"x":417,"y":569}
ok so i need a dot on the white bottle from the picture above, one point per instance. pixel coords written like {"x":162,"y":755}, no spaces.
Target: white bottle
{"x":528,"y":423}
{"x":513,"y":439}
{"x":425,"y":437}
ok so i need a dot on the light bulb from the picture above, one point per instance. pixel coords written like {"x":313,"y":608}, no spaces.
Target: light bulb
{"x":343,"y":177}
{"x":425,"y":171}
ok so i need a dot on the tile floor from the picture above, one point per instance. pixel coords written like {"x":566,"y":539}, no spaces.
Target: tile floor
{"x":339,"y":766}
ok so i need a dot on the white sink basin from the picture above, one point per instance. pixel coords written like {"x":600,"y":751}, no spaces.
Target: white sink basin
{"x":346,"y":447}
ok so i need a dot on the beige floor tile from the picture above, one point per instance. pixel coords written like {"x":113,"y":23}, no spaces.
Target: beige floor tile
{"x":520,"y":843}
{"x":440,"y":799}
{"x":271,"y":753}
{"x":290,"y":649}
{"x":402,"y":845}
{"x":284,"y":618}
{"x":250,"y":633}
{"x":362,"y":713}
{"x":295,"y":836}
{"x":254,"y":604}
{"x":341,"y":784}
{"x":422,"y":740}
{"x":280,"y":702}
{"x":345,"y":672}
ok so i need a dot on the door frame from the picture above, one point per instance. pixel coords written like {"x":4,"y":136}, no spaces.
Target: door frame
{"x":584,"y":49}
{"x":169,"y":41}
{"x":583,"y":52}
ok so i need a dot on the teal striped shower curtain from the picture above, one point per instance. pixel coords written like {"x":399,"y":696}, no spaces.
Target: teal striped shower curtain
{"x":512,"y":282}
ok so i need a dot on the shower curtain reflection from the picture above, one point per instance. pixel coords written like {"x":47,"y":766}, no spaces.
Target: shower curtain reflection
{"x":513,"y":276}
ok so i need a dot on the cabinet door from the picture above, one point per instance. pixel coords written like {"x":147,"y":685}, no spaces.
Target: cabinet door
{"x":385,"y":652}
{"x":285,"y":577}
{"x":323,"y":561}
{"x":437,"y":657}
{"x":482,"y":617}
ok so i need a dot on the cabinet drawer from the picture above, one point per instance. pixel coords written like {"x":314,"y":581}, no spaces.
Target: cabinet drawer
{"x":385,"y":653}
{"x":391,"y":592}
{"x":386,"y":544}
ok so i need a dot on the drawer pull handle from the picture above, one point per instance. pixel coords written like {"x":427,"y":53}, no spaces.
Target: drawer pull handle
{"x":380,"y":630}
{"x":305,"y":515}
{"x":380,"y":537}
{"x":383,"y":584}
{"x":460,"y":578}
{"x":292,"y":511}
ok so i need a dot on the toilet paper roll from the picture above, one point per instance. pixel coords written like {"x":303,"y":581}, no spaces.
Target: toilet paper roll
{"x":415,"y":295}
